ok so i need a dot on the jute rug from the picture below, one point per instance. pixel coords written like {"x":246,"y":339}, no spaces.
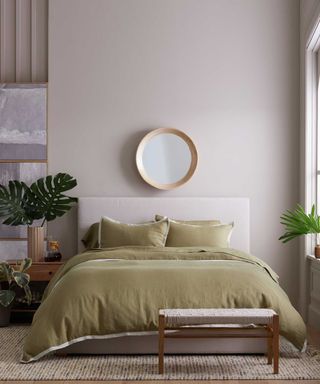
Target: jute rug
{"x":293,"y":365}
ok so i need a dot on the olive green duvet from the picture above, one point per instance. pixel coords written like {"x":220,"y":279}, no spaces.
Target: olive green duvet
{"x":116,"y":291}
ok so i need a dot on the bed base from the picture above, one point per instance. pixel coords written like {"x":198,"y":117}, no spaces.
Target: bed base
{"x":148,"y":344}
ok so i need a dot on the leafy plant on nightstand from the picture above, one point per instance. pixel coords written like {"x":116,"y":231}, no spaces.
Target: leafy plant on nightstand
{"x":298,"y":222}
{"x":43,"y":200}
{"x":10,"y":277}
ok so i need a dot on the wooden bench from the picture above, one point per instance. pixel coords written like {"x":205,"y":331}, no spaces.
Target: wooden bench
{"x":266,"y":321}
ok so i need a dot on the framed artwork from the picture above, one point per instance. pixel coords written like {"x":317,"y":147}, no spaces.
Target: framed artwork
{"x":23,"y":150}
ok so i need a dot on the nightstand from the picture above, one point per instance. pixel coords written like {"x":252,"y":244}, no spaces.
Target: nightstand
{"x":40,"y":274}
{"x":43,"y":271}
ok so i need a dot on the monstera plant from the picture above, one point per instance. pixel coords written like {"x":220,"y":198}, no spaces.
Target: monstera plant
{"x":43,"y":200}
{"x":9,"y":278}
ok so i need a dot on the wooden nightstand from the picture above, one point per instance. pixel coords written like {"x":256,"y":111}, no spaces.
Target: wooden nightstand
{"x":43,"y":271}
{"x":40,"y":274}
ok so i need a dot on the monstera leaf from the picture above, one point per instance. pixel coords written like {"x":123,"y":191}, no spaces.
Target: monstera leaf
{"x":12,"y":203}
{"x":46,"y":199}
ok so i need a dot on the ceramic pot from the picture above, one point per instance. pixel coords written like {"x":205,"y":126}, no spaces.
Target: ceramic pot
{"x":5,"y":313}
{"x":317,"y":251}
{"x":36,"y":243}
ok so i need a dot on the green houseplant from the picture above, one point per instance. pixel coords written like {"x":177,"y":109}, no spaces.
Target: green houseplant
{"x":298,"y":222}
{"x":43,"y":200}
{"x":9,"y":278}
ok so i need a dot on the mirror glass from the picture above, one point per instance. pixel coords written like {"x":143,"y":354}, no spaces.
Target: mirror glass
{"x":166,"y":158}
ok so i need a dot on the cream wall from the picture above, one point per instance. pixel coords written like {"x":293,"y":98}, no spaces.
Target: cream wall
{"x":225,"y":72}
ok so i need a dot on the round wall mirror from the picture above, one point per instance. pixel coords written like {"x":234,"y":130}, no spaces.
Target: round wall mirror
{"x":166,"y":158}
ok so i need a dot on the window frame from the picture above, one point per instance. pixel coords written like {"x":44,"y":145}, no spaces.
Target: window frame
{"x":312,"y":128}
{"x":310,"y":44}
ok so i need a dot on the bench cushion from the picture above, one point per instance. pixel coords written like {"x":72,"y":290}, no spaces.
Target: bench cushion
{"x":202,"y":316}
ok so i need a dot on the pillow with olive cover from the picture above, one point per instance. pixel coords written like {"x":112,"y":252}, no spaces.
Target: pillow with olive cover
{"x":185,"y":234}
{"x":91,"y":238}
{"x":195,"y":222}
{"x":112,"y":233}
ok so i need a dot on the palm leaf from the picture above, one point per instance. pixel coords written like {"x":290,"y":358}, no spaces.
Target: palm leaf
{"x":46,"y":198}
{"x":298,"y":223}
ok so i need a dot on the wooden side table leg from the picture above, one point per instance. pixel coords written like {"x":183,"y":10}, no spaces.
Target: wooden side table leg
{"x":161,"y":343}
{"x":275,"y":343}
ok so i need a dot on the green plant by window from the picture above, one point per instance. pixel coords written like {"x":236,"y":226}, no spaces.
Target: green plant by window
{"x":298,"y":222}
{"x":11,"y":276}
{"x":44,"y":199}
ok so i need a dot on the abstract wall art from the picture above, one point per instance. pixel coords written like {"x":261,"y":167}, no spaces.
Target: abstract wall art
{"x":23,"y":149}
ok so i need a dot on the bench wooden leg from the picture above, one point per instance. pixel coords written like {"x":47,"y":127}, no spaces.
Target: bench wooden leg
{"x":269,"y":341}
{"x":161,"y":343}
{"x":275,"y":343}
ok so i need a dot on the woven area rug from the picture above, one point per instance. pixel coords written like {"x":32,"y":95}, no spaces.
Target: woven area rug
{"x":293,"y":365}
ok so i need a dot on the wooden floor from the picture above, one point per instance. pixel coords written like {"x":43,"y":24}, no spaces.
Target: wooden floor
{"x":313,"y":337}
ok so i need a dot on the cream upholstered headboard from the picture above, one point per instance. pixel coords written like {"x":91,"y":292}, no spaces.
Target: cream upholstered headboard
{"x":142,"y":209}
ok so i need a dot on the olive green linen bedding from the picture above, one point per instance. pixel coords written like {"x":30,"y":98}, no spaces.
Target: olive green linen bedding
{"x":108,"y":292}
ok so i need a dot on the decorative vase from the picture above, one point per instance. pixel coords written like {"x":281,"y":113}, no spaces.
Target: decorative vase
{"x":5,"y":313}
{"x":36,"y":243}
{"x":317,"y":251}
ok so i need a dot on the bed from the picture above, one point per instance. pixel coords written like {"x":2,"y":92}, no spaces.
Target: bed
{"x":107,"y":300}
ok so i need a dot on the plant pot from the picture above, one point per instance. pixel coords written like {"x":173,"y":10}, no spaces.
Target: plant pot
{"x":317,"y":251}
{"x":5,"y":313}
{"x":36,"y":243}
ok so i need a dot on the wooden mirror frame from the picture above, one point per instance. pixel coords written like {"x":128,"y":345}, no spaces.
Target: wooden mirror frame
{"x":186,"y":139}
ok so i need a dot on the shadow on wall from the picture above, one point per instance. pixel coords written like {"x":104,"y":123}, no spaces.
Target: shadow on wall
{"x":129,"y":167}
{"x":64,"y":229}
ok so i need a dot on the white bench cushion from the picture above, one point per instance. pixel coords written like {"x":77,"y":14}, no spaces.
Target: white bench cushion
{"x":202,"y":316}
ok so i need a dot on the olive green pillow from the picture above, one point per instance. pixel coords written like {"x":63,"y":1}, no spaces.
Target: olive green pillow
{"x":91,"y":237}
{"x":195,"y":222}
{"x":188,"y":235}
{"x":112,"y":233}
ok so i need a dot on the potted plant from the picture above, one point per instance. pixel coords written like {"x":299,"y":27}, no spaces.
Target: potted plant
{"x":9,"y":278}
{"x":298,"y":223}
{"x":43,"y":200}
